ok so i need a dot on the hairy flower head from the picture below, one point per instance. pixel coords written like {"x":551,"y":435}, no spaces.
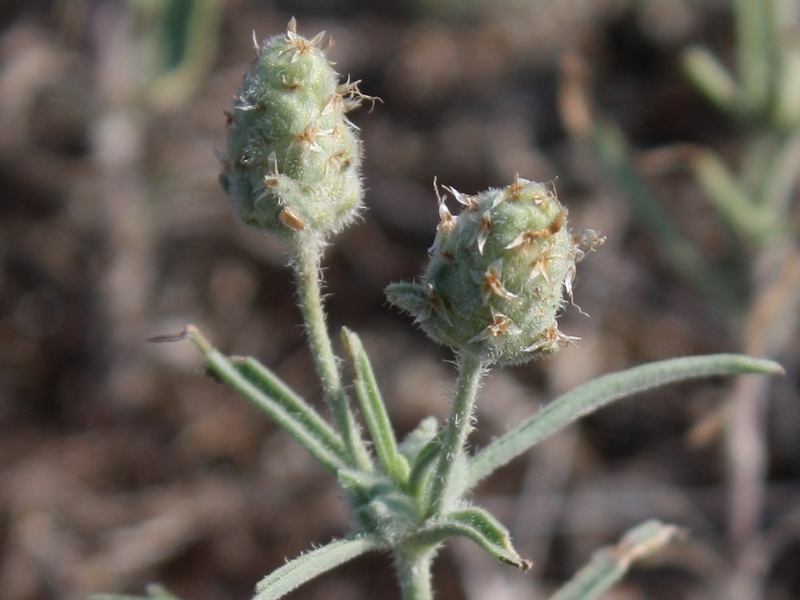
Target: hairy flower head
{"x":293,"y":159}
{"x":497,"y":275}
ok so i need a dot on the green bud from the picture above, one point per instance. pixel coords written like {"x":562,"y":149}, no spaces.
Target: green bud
{"x":293,"y":158}
{"x":498,"y":274}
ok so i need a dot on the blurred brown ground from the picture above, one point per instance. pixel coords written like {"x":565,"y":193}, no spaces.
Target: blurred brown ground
{"x":120,"y":464}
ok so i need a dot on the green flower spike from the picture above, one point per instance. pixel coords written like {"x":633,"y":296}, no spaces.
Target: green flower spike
{"x":498,"y":274}
{"x":293,"y":158}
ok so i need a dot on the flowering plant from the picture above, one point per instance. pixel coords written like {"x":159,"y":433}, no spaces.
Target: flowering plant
{"x":500,"y":272}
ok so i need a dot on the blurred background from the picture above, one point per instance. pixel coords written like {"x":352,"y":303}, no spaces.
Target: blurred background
{"x":121,"y":464}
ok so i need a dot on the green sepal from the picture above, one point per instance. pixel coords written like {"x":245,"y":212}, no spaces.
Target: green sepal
{"x":410,"y":297}
{"x":608,"y":565}
{"x":478,"y":525}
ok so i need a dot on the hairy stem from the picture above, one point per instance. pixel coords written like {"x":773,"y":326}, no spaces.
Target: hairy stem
{"x":456,"y":431}
{"x":306,"y":264}
{"x":414,"y":573}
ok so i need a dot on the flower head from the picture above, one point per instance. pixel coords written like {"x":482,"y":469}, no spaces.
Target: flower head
{"x":293,"y":158}
{"x":500,"y":271}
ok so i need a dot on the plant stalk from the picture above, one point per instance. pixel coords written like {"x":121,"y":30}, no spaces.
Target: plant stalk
{"x":307,"y":254}
{"x":458,"y":427}
{"x":414,"y":573}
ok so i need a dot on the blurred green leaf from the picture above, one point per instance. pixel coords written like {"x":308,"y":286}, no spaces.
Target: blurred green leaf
{"x":609,"y":565}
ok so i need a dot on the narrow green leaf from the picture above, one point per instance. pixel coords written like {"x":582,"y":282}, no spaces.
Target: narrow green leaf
{"x":780,"y":177}
{"x":416,"y":439}
{"x":423,"y":464}
{"x":609,"y":565}
{"x":615,"y":156}
{"x":787,"y":104}
{"x":421,"y":447}
{"x":272,"y":396}
{"x":757,"y":44}
{"x":276,"y":389}
{"x":601,"y":391}
{"x":374,"y":409}
{"x":711,"y":78}
{"x":306,"y":567}
{"x":730,"y":198}
{"x":478,"y":525}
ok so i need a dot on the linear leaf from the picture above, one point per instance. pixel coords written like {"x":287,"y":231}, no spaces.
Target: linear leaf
{"x":601,"y":391}
{"x":276,"y":389}
{"x":710,"y":77}
{"x":306,"y":567}
{"x":609,"y":565}
{"x":276,"y":399}
{"x":478,"y":525}
{"x":616,"y":156}
{"x":374,"y":409}
{"x":423,"y":463}
{"x":730,"y":198}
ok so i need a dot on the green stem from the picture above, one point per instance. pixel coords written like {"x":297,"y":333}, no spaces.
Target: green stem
{"x":456,"y":431}
{"x":306,"y":264}
{"x":414,"y":573}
